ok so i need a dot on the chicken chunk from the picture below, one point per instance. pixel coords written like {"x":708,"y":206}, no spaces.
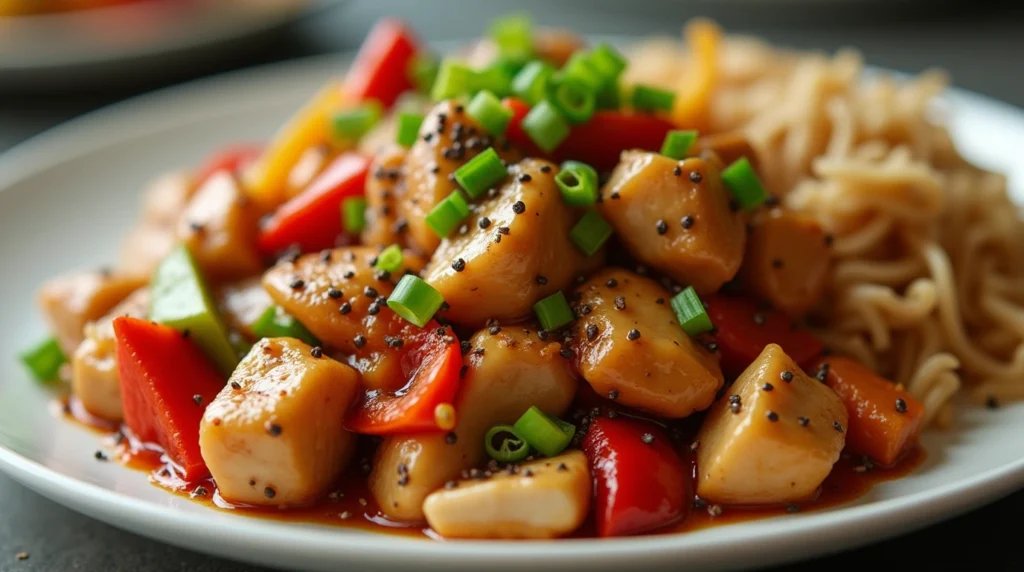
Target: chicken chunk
{"x":70,"y":302}
{"x":220,"y":226}
{"x":502,"y":266}
{"x":275,"y":434}
{"x":546,"y":498}
{"x":787,"y":261}
{"x":242,"y":303}
{"x":729,"y":147}
{"x":382,"y":227}
{"x":774,"y":439}
{"x":165,"y":198}
{"x":629,"y":341}
{"x":681,"y":224}
{"x":448,"y":139}
{"x":143,"y":249}
{"x":506,"y":374}
{"x":94,"y":377}
{"x":342,"y":301}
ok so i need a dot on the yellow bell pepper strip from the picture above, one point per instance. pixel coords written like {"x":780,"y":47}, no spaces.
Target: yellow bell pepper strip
{"x":692,"y":108}
{"x":181,"y":299}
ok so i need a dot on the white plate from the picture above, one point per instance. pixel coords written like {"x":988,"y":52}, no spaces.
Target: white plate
{"x":64,"y":47}
{"x":68,"y":196}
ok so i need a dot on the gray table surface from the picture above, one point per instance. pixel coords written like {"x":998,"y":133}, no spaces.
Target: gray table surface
{"x":980,"y":43}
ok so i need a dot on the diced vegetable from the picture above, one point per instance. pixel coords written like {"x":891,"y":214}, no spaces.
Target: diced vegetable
{"x":310,"y":220}
{"x":432,"y":363}
{"x":352,"y":123}
{"x":545,"y":126}
{"x":744,"y":329}
{"x":231,"y":159}
{"x":390,"y":259}
{"x":276,"y":323}
{"x":582,"y":69}
{"x":415,"y":300}
{"x":44,"y":360}
{"x":71,"y":301}
{"x":647,"y":98}
{"x":513,"y":35}
{"x":553,"y":311}
{"x":578,"y":183}
{"x":380,"y":68}
{"x":590,"y":233}
{"x":884,"y":420}
{"x":690,"y":312}
{"x":408,"y":128}
{"x":353,"y":214}
{"x":741,"y":179}
{"x":530,"y":84}
{"x":774,"y":439}
{"x":453,"y":79}
{"x":607,"y":61}
{"x":677,"y":143}
{"x":641,"y":483}
{"x":423,"y":71}
{"x":181,"y":299}
{"x":166,"y":384}
{"x":487,"y":110}
{"x":481,"y":173}
{"x":573,"y":98}
{"x":505,"y":445}
{"x":543,"y":433}
{"x":220,"y":226}
{"x":446,"y":216}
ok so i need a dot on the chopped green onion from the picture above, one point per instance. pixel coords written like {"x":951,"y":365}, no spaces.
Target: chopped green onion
{"x":481,"y":173}
{"x":578,"y":183}
{"x":423,"y":71}
{"x":408,"y":128}
{"x":607,"y":61}
{"x":415,"y":300}
{"x":274,"y":322}
{"x":352,"y":124}
{"x":513,"y":35}
{"x":590,"y":233}
{"x":580,"y":67}
{"x":690,"y":312}
{"x":44,"y":360}
{"x":610,"y":97}
{"x":487,"y":110}
{"x":512,"y":448}
{"x":542,"y":432}
{"x":353,"y":214}
{"x":496,"y":78}
{"x":553,"y":311}
{"x":390,"y":259}
{"x":448,"y":213}
{"x":530,"y":84}
{"x":646,"y":98}
{"x":677,"y":143}
{"x":744,"y":184}
{"x":572,"y":97}
{"x":546,"y":126}
{"x":453,"y":79}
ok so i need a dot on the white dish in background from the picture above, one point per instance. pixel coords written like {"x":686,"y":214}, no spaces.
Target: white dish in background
{"x":67,"y":197}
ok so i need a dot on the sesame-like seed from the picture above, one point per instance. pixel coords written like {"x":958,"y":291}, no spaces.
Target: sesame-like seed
{"x":459,"y":265}
{"x":525,"y":178}
{"x":613,"y":394}
{"x":696,"y":177}
{"x":803,"y":421}
{"x":494,"y":330}
{"x":235,"y":385}
{"x":901,"y":405}
{"x":735,"y":407}
{"x":715,"y":510}
{"x":566,"y":353}
{"x":591,"y":332}
{"x":837,"y":426}
{"x":273,"y":429}
{"x":735,"y":398}
{"x":542,"y":280}
{"x":465,"y":346}
{"x":269,"y":492}
{"x":349,"y":274}
{"x":614,"y":195}
{"x":677,"y":171}
{"x":504,"y":230}
{"x":786,"y":376}
{"x":687,"y":222}
{"x":297,"y":284}
{"x":451,"y":438}
{"x":822,"y":373}
{"x":647,"y":438}
{"x":694,"y":446}
{"x":345,"y":308}
{"x":100,"y":455}
{"x":197,"y":399}
{"x":483,"y":223}
{"x":633,"y":335}
{"x":620,"y":302}
{"x":325,"y":255}
{"x":316,"y":352}
{"x":545,"y":169}
{"x":711,"y":347}
{"x":767,"y":387}
{"x":370,"y":292}
{"x":661,"y":227}
{"x":200,"y":492}
{"x":335,"y":293}
{"x":359,"y":340}
{"x":773,"y":416}
{"x":403,"y":480}
{"x":519,"y":207}
{"x":991,"y":402}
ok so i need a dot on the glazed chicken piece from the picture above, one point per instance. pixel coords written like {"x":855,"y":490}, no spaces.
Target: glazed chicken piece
{"x":515,"y":252}
{"x":70,"y":302}
{"x":629,"y":343}
{"x":507,"y":373}
{"x":773,"y":439}
{"x":448,"y":139}
{"x":546,"y":498}
{"x":676,"y":217}
{"x":242,"y":303}
{"x":341,"y":299}
{"x":275,"y":434}
{"x":94,"y":377}
{"x":382,"y":226}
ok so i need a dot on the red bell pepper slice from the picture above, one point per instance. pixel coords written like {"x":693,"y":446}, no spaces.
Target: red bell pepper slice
{"x":432,"y":364}
{"x":598,"y":142}
{"x":642,"y":484}
{"x":381,"y":68}
{"x":161,"y":374}
{"x":232,"y":159}
{"x":744,"y":329}
{"x":312,"y":220}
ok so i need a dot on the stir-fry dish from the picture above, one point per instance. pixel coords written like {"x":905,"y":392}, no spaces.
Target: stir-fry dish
{"x":544,"y":287}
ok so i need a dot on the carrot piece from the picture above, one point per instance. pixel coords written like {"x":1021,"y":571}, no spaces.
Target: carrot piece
{"x":884,"y":420}
{"x":166,"y":384}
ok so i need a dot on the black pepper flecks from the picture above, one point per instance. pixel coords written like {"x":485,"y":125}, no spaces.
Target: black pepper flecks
{"x":197,"y":399}
{"x":773,"y":416}
{"x":345,"y":308}
{"x":767,"y":387}
{"x":620,"y":302}
{"x":803,"y":421}
{"x":591,"y":332}
{"x":335,"y":293}
{"x":822,"y":373}
{"x":991,"y":402}
{"x":451,"y":438}
{"x":273,"y":429}
{"x":100,"y":455}
{"x":235,"y":385}
{"x":459,"y":265}
{"x":370,"y":292}
{"x":525,"y":178}
{"x":613,"y":394}
{"x":611,"y":283}
{"x":297,"y":284}
{"x":566,"y":353}
{"x":786,"y":376}
{"x":541,"y":280}
{"x":633,"y":335}
{"x":647,"y":438}
{"x":269,"y":492}
{"x":687,"y":222}
{"x":677,"y":171}
{"x":901,"y":405}
{"x":317,"y":352}
{"x":519,"y":207}
{"x":837,"y":426}
{"x":483,"y":223}
{"x":359,"y":340}
{"x":696,"y":177}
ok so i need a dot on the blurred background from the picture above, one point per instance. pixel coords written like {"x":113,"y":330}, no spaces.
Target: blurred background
{"x":62,"y":58}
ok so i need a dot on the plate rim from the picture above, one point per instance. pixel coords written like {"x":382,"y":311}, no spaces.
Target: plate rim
{"x":161,"y":108}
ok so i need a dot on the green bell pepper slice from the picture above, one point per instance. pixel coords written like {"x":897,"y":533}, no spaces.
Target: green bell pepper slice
{"x":276,"y":323}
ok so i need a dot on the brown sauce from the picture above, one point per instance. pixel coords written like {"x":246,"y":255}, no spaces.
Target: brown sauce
{"x":351,"y":505}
